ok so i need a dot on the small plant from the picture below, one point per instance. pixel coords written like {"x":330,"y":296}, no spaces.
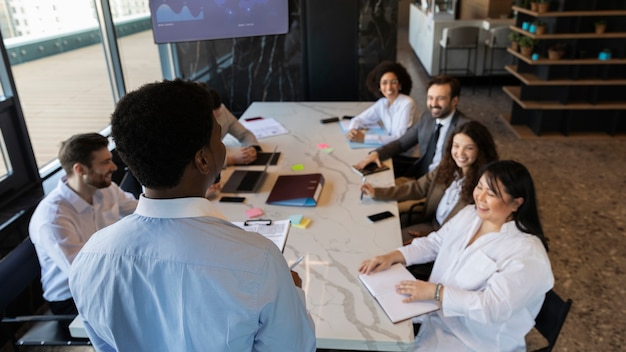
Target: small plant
{"x":600,"y":26}
{"x":556,"y":51}
{"x":543,"y":5}
{"x":533,"y":5}
{"x":558,"y":47}
{"x":527,"y":42}
{"x":514,"y":36}
{"x":540,"y":27}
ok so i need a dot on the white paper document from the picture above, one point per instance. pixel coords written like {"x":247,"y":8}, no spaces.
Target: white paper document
{"x":264,"y":127}
{"x":276,"y":232}
{"x":382,"y":286}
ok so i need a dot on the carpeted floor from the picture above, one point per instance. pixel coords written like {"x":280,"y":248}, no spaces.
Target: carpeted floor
{"x":580,"y":182}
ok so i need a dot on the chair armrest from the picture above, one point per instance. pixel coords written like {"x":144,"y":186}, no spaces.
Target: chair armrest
{"x":31,"y":318}
{"x":413,"y":209}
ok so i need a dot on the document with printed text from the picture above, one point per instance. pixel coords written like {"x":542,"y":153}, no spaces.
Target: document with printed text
{"x":276,"y":232}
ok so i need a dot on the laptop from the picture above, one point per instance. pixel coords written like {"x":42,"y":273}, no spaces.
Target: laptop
{"x":247,"y":181}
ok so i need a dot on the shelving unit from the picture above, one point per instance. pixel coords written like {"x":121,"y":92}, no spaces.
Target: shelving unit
{"x":580,"y":92}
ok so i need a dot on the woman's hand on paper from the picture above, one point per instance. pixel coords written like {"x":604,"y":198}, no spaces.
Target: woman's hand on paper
{"x":355,"y":135}
{"x":416,"y":290}
{"x":381,"y":262}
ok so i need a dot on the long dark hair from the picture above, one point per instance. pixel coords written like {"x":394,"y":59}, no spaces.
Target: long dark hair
{"x":517,"y":183}
{"x":486,"y":153}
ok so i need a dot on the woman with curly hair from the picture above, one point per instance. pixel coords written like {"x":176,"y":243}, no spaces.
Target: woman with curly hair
{"x":448,"y":188}
{"x":395,"y":109}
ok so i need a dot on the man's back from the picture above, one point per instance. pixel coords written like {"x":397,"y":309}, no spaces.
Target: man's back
{"x":187,"y":282}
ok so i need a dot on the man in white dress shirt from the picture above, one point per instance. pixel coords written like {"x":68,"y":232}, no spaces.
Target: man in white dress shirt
{"x":84,"y":201}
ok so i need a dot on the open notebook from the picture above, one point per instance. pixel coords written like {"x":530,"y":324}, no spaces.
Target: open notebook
{"x":247,"y":181}
{"x":382,"y":286}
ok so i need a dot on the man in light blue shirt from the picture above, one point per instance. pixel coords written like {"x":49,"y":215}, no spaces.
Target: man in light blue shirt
{"x":176,"y":276}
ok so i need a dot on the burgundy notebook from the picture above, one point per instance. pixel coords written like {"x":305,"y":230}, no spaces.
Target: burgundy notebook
{"x":297,"y":190}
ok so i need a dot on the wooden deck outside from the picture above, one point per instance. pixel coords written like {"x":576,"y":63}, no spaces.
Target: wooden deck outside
{"x":70,"y":93}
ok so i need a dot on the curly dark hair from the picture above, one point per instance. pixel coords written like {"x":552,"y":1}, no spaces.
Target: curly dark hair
{"x":159,"y":128}
{"x":79,"y":148}
{"x":486,"y":153}
{"x":372,"y":82}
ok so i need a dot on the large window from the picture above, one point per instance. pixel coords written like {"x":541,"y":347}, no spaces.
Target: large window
{"x":61,"y":72}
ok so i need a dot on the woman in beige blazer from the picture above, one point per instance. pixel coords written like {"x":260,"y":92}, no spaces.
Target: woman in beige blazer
{"x":448,"y":188}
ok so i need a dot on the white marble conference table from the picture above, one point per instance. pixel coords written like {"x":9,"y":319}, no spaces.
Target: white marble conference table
{"x":340,"y":236}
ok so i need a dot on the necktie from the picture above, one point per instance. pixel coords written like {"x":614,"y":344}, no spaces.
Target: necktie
{"x":421,"y":166}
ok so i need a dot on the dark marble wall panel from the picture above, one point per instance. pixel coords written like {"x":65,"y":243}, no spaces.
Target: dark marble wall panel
{"x":270,"y":68}
{"x":378,"y":33}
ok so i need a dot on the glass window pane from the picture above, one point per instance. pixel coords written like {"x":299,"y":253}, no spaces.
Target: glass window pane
{"x":59,"y":70}
{"x":139,"y":55}
{"x":5,"y":163}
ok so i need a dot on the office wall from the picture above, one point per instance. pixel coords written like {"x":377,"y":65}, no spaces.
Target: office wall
{"x":272,"y":68}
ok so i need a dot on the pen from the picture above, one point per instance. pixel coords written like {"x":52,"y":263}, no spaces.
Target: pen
{"x":362,"y":182}
{"x":298,"y":261}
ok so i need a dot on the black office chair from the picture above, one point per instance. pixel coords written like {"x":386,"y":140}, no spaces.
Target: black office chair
{"x":130,"y":184}
{"x":551,"y":318}
{"x":18,"y":270}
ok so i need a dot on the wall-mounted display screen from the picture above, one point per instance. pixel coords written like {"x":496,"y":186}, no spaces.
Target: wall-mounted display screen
{"x":190,"y":20}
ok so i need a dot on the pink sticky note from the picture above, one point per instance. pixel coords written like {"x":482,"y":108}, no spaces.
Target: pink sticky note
{"x":254,"y":212}
{"x":322,"y":146}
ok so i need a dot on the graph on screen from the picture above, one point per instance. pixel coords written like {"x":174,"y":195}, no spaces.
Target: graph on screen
{"x":189,"y":20}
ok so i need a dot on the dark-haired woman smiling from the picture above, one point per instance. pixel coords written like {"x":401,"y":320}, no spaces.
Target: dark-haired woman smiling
{"x":448,"y":188}
{"x":491,"y":268}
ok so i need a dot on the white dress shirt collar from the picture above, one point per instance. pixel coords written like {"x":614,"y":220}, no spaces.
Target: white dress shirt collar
{"x":188,"y":207}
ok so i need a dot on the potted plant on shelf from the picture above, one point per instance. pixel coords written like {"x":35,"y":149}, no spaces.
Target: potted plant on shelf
{"x":526,"y":45}
{"x":540,"y":27}
{"x":600,"y":26}
{"x":534,"y":5}
{"x":514,"y":38}
{"x":543,"y":6}
{"x":556,"y":51}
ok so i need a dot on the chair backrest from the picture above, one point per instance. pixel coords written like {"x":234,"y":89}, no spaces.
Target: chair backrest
{"x":498,"y":37}
{"x":551,"y":318}
{"x":460,"y":37}
{"x":18,"y":270}
{"x":130,"y":184}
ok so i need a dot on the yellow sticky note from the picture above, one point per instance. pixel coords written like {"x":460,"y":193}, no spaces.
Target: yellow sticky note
{"x":297,"y":167}
{"x":303,"y":224}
